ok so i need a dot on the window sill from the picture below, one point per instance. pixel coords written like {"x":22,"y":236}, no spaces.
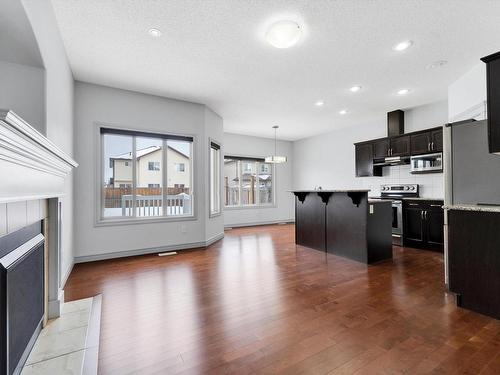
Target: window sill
{"x":136,"y":221}
{"x":249,"y":207}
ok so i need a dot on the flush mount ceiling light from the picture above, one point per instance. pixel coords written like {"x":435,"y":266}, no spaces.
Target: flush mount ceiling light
{"x":275,"y":159}
{"x":402,"y":45}
{"x":343,"y":112}
{"x":355,"y":88}
{"x":403,"y":91}
{"x":283,"y":34}
{"x":437,"y":64}
{"x":155,"y":33}
{"x":319,"y":103}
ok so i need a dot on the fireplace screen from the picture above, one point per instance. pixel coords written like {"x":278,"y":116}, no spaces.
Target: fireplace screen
{"x":21,"y":295}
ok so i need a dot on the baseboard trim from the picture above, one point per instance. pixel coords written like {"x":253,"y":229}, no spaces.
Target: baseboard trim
{"x":257,"y":223}
{"x":151,"y":250}
{"x":65,"y":277}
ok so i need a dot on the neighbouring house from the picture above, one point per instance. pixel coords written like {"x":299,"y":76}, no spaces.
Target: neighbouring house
{"x":149,"y":168}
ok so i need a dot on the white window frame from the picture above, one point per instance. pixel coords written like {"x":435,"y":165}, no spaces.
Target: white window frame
{"x":258,"y":161}
{"x":100,"y":220}
{"x":217,"y":186}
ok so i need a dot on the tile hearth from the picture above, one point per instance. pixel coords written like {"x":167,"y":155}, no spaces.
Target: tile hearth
{"x":69,"y":344}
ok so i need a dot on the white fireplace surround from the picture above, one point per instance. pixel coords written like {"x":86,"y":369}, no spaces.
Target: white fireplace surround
{"x":33,"y":171}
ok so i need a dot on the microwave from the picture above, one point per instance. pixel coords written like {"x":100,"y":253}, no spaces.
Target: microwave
{"x":428,"y":163}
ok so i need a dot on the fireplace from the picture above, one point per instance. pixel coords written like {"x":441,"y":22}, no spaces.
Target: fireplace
{"x":21,"y":295}
{"x":34,"y":173}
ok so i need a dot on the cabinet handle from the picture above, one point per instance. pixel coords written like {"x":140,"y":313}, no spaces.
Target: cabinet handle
{"x":436,"y":205}
{"x":428,"y":146}
{"x":425,"y":215}
{"x":422,"y":215}
{"x":412,"y":204}
{"x":432,"y":146}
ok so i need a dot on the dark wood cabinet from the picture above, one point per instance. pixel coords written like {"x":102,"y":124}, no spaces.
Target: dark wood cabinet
{"x":437,"y":140}
{"x":381,"y":148}
{"x":474,"y":260}
{"x":423,"y":224}
{"x":413,"y":224}
{"x":400,"y":146}
{"x":427,"y":141}
{"x":493,"y":97}
{"x":364,"y":161}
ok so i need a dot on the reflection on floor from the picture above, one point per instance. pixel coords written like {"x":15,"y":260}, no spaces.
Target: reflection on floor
{"x":255,"y":303}
{"x":69,"y":344}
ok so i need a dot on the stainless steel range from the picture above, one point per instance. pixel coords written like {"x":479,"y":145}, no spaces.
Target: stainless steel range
{"x":397,"y":193}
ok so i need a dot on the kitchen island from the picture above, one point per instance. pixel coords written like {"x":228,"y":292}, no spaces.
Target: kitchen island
{"x":344,"y":223}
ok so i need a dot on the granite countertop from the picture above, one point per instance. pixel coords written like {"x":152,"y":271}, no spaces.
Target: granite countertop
{"x":410,"y":199}
{"x":332,"y":191}
{"x":473,"y":207}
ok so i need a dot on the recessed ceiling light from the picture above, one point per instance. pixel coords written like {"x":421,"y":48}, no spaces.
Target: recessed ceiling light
{"x":155,"y":33}
{"x":319,"y":103}
{"x":437,"y":64}
{"x":403,"y":91}
{"x":284,"y":34}
{"x":343,"y":112}
{"x":355,"y":88}
{"x":402,"y":45}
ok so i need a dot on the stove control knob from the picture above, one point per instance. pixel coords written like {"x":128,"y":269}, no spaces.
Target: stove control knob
{"x":413,"y":188}
{"x":407,"y":188}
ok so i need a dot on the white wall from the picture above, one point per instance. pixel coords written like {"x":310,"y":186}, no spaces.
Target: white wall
{"x":242,"y":145}
{"x":23,"y":91}
{"x":467,"y":94}
{"x":58,"y":107}
{"x":137,"y":111}
{"x":328,"y":159}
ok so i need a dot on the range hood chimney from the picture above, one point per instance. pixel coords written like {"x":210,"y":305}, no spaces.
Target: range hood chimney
{"x":395,"y":123}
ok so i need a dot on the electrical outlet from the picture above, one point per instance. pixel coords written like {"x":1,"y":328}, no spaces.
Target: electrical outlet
{"x":183,"y":228}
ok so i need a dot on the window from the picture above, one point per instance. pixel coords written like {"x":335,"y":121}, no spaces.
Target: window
{"x":180,"y":167}
{"x":214,"y":179}
{"x":248,"y":182}
{"x":134,"y":182}
{"x":154,"y":165}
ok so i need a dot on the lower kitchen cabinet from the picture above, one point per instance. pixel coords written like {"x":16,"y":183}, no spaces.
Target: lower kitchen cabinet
{"x":474,"y":260}
{"x":423,"y":224}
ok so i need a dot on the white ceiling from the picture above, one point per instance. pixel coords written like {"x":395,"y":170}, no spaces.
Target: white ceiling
{"x":214,"y":52}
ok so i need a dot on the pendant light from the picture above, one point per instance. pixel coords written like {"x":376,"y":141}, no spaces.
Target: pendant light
{"x":275,"y":159}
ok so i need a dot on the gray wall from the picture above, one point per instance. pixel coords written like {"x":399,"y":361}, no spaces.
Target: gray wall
{"x":242,"y":145}
{"x":328,"y":159}
{"x":23,"y":91}
{"x":133,"y":110}
{"x":58,"y":107}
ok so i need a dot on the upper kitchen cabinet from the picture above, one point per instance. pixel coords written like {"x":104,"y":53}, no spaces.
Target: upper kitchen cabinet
{"x":420,"y":143}
{"x":400,"y":146}
{"x":381,"y":148}
{"x":427,"y":141}
{"x":364,"y":160}
{"x":493,"y":97}
{"x":437,"y":140}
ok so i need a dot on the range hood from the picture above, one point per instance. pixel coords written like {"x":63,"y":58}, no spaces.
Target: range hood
{"x":395,"y":127}
{"x":392,"y":160}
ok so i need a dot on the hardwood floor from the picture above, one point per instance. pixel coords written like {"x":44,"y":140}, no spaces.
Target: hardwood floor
{"x":255,"y":303}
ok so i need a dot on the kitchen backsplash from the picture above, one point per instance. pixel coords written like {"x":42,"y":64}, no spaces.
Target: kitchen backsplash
{"x":431,"y":184}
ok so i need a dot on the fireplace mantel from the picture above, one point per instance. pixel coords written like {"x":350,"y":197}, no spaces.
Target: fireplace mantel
{"x":31,"y":166}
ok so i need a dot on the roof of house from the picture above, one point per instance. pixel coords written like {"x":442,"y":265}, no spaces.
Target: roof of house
{"x":145,"y":151}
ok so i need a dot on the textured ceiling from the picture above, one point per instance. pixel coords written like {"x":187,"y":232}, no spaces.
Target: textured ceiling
{"x":17,"y":40}
{"x":214,"y":52}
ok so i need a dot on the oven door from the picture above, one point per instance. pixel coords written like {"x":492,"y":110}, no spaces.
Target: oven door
{"x":397,"y":222}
